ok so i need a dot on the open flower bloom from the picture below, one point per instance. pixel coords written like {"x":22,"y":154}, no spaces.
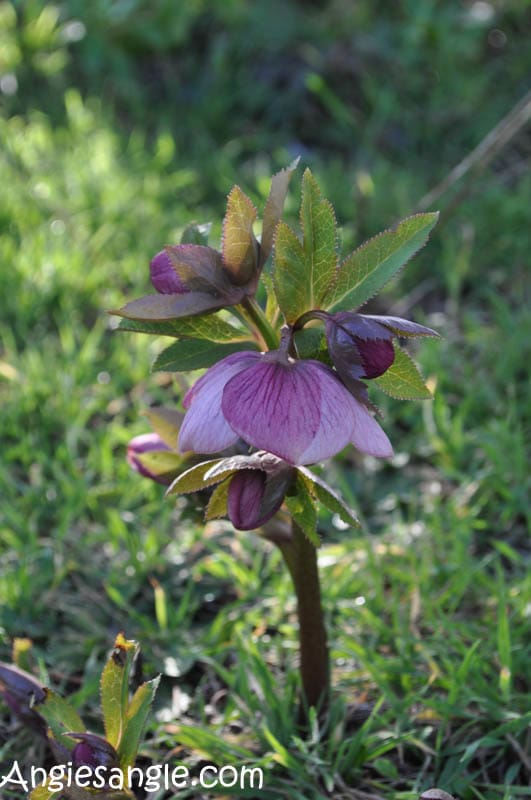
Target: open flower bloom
{"x":360,"y":345}
{"x":298,"y":410}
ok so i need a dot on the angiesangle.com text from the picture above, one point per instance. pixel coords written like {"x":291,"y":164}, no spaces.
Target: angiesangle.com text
{"x":152,"y":778}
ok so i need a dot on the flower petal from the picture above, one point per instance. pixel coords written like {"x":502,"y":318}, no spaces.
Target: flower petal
{"x":205,"y":429}
{"x":377,"y":355}
{"x":402,"y":327}
{"x":367,"y":436}
{"x":295,"y":410}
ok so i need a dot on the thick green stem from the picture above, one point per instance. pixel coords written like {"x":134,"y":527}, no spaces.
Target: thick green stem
{"x":301,"y":559}
{"x":256,"y":315}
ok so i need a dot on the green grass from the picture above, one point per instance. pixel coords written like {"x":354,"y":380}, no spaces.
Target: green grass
{"x":428,"y":608}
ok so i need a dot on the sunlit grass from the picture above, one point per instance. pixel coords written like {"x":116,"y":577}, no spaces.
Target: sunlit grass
{"x":427,"y":609}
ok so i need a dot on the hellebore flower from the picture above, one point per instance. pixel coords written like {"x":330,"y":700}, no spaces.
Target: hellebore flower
{"x":298,"y":410}
{"x":146,"y":443}
{"x":360,"y":345}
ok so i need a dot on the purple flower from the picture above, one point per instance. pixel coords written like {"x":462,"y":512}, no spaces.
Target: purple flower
{"x":360,"y":345}
{"x":146,"y":443}
{"x":298,"y":410}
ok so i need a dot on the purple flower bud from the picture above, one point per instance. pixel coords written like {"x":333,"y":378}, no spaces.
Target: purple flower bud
{"x":83,"y":755}
{"x":146,"y":443}
{"x":164,"y":277}
{"x":359,"y":346}
{"x":93,"y":751}
{"x":20,"y":691}
{"x":255,"y":496}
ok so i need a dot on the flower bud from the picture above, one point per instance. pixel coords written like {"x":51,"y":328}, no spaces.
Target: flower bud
{"x":255,"y":496}
{"x":20,"y":691}
{"x":146,"y":443}
{"x":359,"y":346}
{"x":93,"y":751}
{"x":163,"y":275}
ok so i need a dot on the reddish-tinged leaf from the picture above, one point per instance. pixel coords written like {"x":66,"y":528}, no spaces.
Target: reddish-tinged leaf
{"x":240,"y":248}
{"x":274,"y":208}
{"x":159,"y":307}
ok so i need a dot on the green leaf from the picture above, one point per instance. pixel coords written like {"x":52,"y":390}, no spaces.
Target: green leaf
{"x":217,"y":505}
{"x":292,"y":287}
{"x":135,"y":721}
{"x":115,"y":688}
{"x":189,"y":354}
{"x":240,"y":248}
{"x":403,"y":380}
{"x":304,"y":272}
{"x":60,"y":717}
{"x":302,"y":508}
{"x":166,"y":422}
{"x":162,"y":463}
{"x":318,"y":224}
{"x":374,"y":263}
{"x":196,"y":233}
{"x":193,"y":480}
{"x":211,"y":327}
{"x":321,"y":491}
{"x":274,"y":208}
{"x":216,"y":470}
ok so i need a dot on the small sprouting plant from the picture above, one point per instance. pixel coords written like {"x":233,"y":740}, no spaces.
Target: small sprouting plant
{"x":89,"y":766}
{"x":288,"y":356}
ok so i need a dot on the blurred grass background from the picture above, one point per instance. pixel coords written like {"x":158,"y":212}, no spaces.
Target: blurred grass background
{"x":120,"y":123}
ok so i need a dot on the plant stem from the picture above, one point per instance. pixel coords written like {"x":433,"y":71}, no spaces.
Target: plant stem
{"x":301,"y":559}
{"x":253,"y":311}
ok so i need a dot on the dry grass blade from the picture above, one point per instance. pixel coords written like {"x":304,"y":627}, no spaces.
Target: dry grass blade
{"x":483,"y":154}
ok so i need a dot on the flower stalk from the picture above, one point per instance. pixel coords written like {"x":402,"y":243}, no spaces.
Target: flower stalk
{"x":300,"y":557}
{"x":255,"y":314}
